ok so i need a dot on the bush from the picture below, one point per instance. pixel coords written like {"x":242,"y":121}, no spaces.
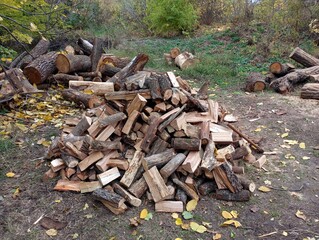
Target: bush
{"x":170,"y":17}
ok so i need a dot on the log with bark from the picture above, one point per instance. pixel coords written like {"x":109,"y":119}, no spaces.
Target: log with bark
{"x":255,"y":82}
{"x":280,"y":69}
{"x":310,"y":91}
{"x":304,"y":58}
{"x":68,"y":63}
{"x":86,"y":100}
{"x":185,"y":60}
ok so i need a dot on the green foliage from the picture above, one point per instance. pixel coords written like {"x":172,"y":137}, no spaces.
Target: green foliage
{"x":170,"y":17}
{"x":28,"y":19}
{"x":6,"y":53}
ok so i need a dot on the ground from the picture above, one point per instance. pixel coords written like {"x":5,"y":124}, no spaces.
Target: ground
{"x":292,"y":179}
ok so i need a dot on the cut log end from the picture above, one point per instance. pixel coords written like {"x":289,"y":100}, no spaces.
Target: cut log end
{"x":63,"y":63}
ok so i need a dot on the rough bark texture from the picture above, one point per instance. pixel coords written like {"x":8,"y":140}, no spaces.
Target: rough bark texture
{"x":310,"y":91}
{"x":280,"y":69}
{"x":304,"y":58}
{"x":255,"y":82}
{"x":67,"y":63}
{"x":96,"y":53}
{"x":86,"y":100}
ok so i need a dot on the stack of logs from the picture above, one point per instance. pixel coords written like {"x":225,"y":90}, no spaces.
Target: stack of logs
{"x":284,"y":77}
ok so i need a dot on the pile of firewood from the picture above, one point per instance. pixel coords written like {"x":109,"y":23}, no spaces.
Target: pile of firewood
{"x":142,"y":133}
{"x":283,"y":78}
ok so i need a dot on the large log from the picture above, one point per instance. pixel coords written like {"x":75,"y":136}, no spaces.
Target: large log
{"x":86,"y":100}
{"x":185,"y":60}
{"x":115,"y":199}
{"x":281,"y":69}
{"x":255,"y":82}
{"x":137,"y":64}
{"x":39,"y":49}
{"x":96,"y":53}
{"x":304,"y":58}
{"x":287,"y":83}
{"x":191,"y":144}
{"x":19,"y":82}
{"x":310,"y":91}
{"x":68,"y":63}
{"x":136,"y":202}
{"x":41,"y":68}
{"x":85,"y":46}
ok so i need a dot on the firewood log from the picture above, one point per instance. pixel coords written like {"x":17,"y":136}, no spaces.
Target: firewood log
{"x":68,"y":63}
{"x":304,"y":58}
{"x":310,"y":91}
{"x":280,"y":69}
{"x":255,"y":82}
{"x":96,"y":53}
{"x":86,"y":100}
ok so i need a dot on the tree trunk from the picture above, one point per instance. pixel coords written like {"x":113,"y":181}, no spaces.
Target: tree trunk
{"x":96,"y":53}
{"x":85,"y":46}
{"x":41,"y":68}
{"x":86,"y":100}
{"x":304,"y":58}
{"x":19,"y":81}
{"x":255,"y":82}
{"x":310,"y":91}
{"x":67,"y":63}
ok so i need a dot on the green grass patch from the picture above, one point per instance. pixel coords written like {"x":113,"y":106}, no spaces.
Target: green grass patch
{"x":6,"y":145}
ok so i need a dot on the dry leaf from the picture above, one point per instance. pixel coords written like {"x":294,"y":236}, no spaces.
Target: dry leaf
{"x":234,"y":214}
{"x":191,"y":205}
{"x":143,"y":213}
{"x":302,"y":145}
{"x":88,"y":216}
{"x":75,"y":236}
{"x":10,"y":174}
{"x":285,"y":233}
{"x":217,"y":236}
{"x":16,"y":193}
{"x":226,"y":215}
{"x":174,"y":215}
{"x":197,"y":228}
{"x":86,"y":206}
{"x":300,"y":214}
{"x":178,"y":221}
{"x":231,"y":222}
{"x":207,"y":224}
{"x":284,"y":135}
{"x":257,"y":129}
{"x":178,"y":239}
{"x":305,"y":158}
{"x":264,"y":189}
{"x":51,"y":232}
{"x":134,"y":222}
{"x":185,"y":226}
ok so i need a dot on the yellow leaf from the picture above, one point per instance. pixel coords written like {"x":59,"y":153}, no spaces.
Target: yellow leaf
{"x":302,"y":145}
{"x":178,"y":221}
{"x":86,"y":206}
{"x":10,"y":174}
{"x":226,"y":215}
{"x":1,"y":19}
{"x":291,"y":142}
{"x":284,"y":135}
{"x":185,"y":226}
{"x":194,"y":226}
{"x":264,"y":189}
{"x":33,"y":27}
{"x":88,"y":91}
{"x":207,"y":224}
{"x":143,"y":213}
{"x":237,"y":224}
{"x":231,"y":222}
{"x":191,"y":205}
{"x":201,"y":229}
{"x":178,"y":239}
{"x":75,"y":236}
{"x":88,"y":216}
{"x":57,"y":201}
{"x":300,"y":214}
{"x":22,"y":127}
{"x":234,"y":213}
{"x":52,"y":232}
{"x":217,"y":236}
{"x":257,"y":129}
{"x":174,"y":215}
{"x":16,"y":193}
{"x":305,"y":158}
{"x":285,"y":233}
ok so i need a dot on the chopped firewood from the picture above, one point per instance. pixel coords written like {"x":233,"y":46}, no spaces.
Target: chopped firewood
{"x":70,"y":161}
{"x":130,"y":173}
{"x":137,"y":81}
{"x":86,"y":100}
{"x":130,"y":122}
{"x":89,"y":160}
{"x":49,"y":175}
{"x":207,"y":187}
{"x":136,"y":202}
{"x":105,"y":145}
{"x":113,"y":209}
{"x":96,"y":53}
{"x":82,"y":126}
{"x":171,"y":166}
{"x":192,"y":161}
{"x":250,"y":158}
{"x":138,"y":188}
{"x":181,"y":195}
{"x":69,"y":172}
{"x":153,"y":85}
{"x":205,"y":132}
{"x":68,"y":63}
{"x":105,"y":134}
{"x":239,"y":153}
{"x":280,"y":69}
{"x":209,"y":160}
{"x":260,"y":162}
{"x":191,"y":144}
{"x":127,"y":95}
{"x":185,"y":60}
{"x":169,"y":206}
{"x":113,"y":198}
{"x":77,"y":186}
{"x":189,"y":191}
{"x":226,"y":195}
{"x":183,"y":84}
{"x":160,"y":107}
{"x":247,"y":184}
{"x":57,"y":164}
{"x":108,"y":176}
{"x":195,"y":102}
{"x":173,"y":80}
{"x":137,"y":104}
{"x":103,"y":164}
{"x":158,"y":159}
{"x":98,"y":88}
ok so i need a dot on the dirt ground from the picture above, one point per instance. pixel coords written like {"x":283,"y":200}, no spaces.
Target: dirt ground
{"x":292,"y":178}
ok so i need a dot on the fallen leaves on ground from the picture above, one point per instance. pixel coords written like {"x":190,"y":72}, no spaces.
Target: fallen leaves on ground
{"x":10,"y":174}
{"x":174,"y":215}
{"x":51,"y":232}
{"x":302,"y":145}
{"x":143,"y":213}
{"x":226,"y":215}
{"x":191,"y":205}
{"x":187,"y":215}
{"x":197,"y":228}
{"x":284,"y":135}
{"x":301,"y":215}
{"x":264,"y":189}
{"x":217,"y":236}
{"x":231,"y":222}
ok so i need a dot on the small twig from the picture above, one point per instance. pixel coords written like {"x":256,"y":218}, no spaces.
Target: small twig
{"x":35,"y":223}
{"x":290,"y":190}
{"x":267,"y":234}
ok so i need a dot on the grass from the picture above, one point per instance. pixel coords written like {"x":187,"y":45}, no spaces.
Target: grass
{"x":6,"y":145}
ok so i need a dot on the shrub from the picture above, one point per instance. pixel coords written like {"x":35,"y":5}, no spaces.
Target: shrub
{"x":170,"y":17}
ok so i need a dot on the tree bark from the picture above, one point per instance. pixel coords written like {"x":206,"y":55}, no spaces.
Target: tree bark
{"x":86,"y":100}
{"x":226,"y":195}
{"x":310,"y":91}
{"x":255,"y":82}
{"x":96,"y":53}
{"x":68,"y":63}
{"x":304,"y":58}
{"x":280,"y":69}
{"x":191,"y":144}
{"x":41,"y":68}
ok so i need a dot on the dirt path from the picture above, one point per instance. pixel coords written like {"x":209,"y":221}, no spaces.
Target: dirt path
{"x":293,"y":178}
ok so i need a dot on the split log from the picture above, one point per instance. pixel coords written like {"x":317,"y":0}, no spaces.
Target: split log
{"x":205,"y":132}
{"x":127,"y":196}
{"x":173,"y":80}
{"x":130,"y":173}
{"x":304,"y":58}
{"x":281,"y":69}
{"x":98,"y":88}
{"x":108,"y":176}
{"x":189,"y":191}
{"x":108,"y":70}
{"x":57,"y":164}
{"x":86,"y":100}
{"x":153,"y":85}
{"x":173,"y":114}
{"x":39,"y":49}
{"x":89,"y":160}
{"x":209,"y":160}
{"x":105,"y":145}
{"x":158,"y":159}
{"x":226,"y":195}
{"x":172,"y":165}
{"x":158,"y":146}
{"x":77,"y":186}
{"x":19,"y":82}
{"x":232,"y":178}
{"x":185,"y":60}
{"x":238,"y":154}
{"x":127,"y":95}
{"x":169,"y":206}
{"x":103,"y":164}
{"x":255,"y":82}
{"x":260,"y":161}
{"x":137,"y":64}
{"x":192,"y":161}
{"x":310,"y":91}
{"x":69,"y":63}
{"x":113,"y":198}
{"x":203,"y":91}
{"x":191,"y":144}
{"x":115,"y":61}
{"x":156,"y":185}
{"x":115,"y":210}
{"x":137,"y":104}
{"x":138,"y":188}
{"x":70,"y":161}
{"x":174,"y":52}
{"x":82,"y":126}
{"x":130,"y":122}
{"x":112,"y":119}
{"x":195,"y":102}
{"x":96,"y":53}
{"x":41,"y":68}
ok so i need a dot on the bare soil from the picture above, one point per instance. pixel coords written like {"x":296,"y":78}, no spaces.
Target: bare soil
{"x":294,"y":185}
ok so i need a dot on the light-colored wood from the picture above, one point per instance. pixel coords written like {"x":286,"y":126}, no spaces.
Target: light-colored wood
{"x":49,"y":175}
{"x":189,"y":191}
{"x":183,"y":84}
{"x":98,"y":88}
{"x":137,"y":104}
{"x":185,"y":60}
{"x":106,"y":133}
{"x":69,"y":172}
{"x":127,"y":95}
{"x":209,"y":161}
{"x":138,"y":188}
{"x":82,"y":126}
{"x":130,"y":173}
{"x":130,"y":122}
{"x":128,"y":197}
{"x":160,"y":107}
{"x":183,"y":98}
{"x":89,"y":160}
{"x":222,"y":152}
{"x":175,"y":99}
{"x":57,"y":164}
{"x":77,"y":186}
{"x":103,"y":164}
{"x":156,"y":184}
{"x":173,"y":80}
{"x":191,"y":131}
{"x":179,"y":123}
{"x":310,"y":91}
{"x":250,"y":158}
{"x":192,"y":161}
{"x":169,"y":206}
{"x":108,"y":176}
{"x":260,"y":161}
{"x":119,"y":163}
{"x":222,"y":137}
{"x":116,"y":211}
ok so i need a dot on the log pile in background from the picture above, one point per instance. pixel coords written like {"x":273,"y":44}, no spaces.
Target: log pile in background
{"x":284,"y":77}
{"x":182,"y":60}
{"x":149,"y":134}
